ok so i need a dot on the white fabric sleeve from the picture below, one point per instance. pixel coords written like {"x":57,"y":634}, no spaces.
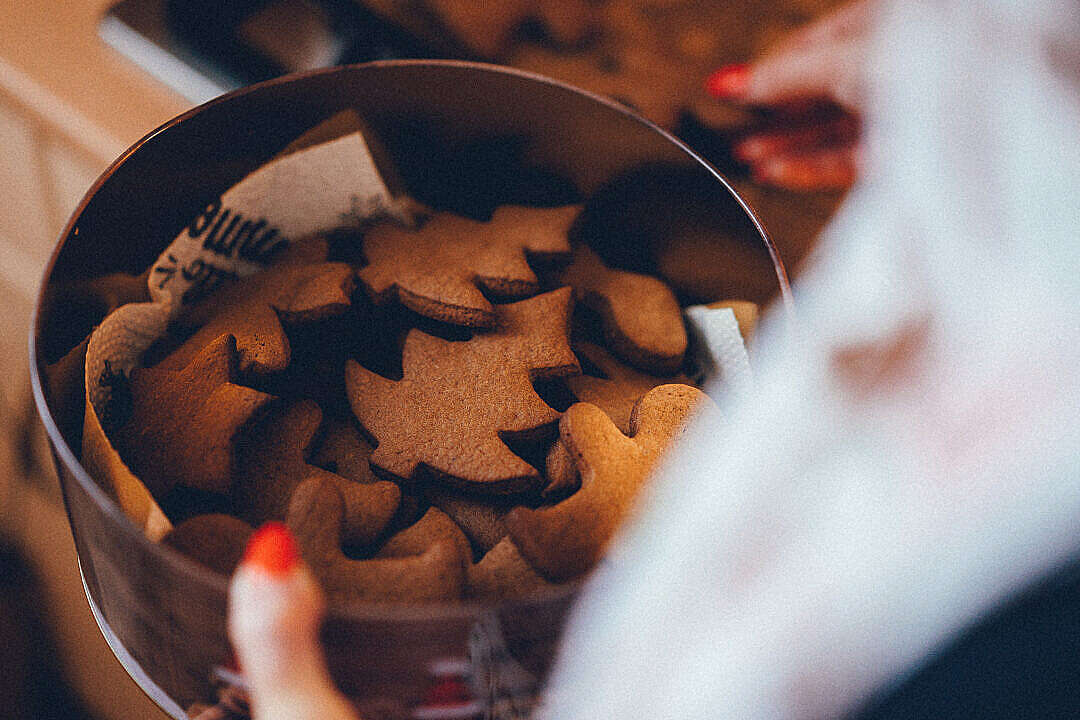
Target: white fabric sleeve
{"x":845,"y":525}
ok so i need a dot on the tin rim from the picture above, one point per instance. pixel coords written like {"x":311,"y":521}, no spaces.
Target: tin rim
{"x":369,"y":611}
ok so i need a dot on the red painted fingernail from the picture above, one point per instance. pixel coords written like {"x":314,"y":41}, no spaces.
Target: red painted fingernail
{"x":273,"y":549}
{"x":729,"y":82}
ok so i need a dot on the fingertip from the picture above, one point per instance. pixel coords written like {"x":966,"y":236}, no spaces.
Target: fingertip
{"x":790,"y":174}
{"x":272,"y":549}
{"x":750,"y":150}
{"x":730,"y":82}
{"x":769,"y":171}
{"x":830,"y":170}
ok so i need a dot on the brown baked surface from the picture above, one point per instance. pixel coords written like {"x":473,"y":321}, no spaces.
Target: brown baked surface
{"x":274,"y":463}
{"x":183,"y":424}
{"x":439,"y":270}
{"x":457,"y":400}
{"x":567,"y":539}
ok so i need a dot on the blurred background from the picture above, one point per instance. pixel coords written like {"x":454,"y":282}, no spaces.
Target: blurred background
{"x":80,"y":81}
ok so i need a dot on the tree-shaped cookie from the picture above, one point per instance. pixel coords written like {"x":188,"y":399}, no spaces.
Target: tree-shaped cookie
{"x":183,"y":424}
{"x":440,"y":269}
{"x":315,"y":516}
{"x":642,"y":321}
{"x":296,"y":289}
{"x":274,"y":462}
{"x":567,"y":539}
{"x":457,"y":400}
{"x":616,"y":394}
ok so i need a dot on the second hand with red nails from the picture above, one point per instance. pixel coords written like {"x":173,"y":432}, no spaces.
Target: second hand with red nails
{"x":804,"y":144}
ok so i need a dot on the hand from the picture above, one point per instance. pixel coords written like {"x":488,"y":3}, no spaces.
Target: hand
{"x":811,"y":87}
{"x":275,"y":607}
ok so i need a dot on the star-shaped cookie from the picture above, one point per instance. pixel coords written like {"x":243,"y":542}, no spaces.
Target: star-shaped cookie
{"x":297,"y":289}
{"x":184,"y":423}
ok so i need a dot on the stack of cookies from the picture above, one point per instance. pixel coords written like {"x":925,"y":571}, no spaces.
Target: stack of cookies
{"x":463,"y":410}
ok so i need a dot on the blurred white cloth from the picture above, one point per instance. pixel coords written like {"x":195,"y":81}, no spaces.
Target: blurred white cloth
{"x":911,"y":455}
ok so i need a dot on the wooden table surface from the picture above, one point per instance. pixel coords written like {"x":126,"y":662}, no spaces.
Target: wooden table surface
{"x":69,"y":105}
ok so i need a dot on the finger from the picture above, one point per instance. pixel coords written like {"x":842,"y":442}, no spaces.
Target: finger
{"x":840,"y":131}
{"x":831,"y":169}
{"x":275,"y":607}
{"x":799,"y":76}
{"x":799,"y":57}
{"x":846,"y":21}
{"x":826,"y":70}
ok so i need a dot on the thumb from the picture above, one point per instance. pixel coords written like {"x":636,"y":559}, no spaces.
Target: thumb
{"x":275,"y":607}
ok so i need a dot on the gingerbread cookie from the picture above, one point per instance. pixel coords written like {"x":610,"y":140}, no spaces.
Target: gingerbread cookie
{"x":435,"y":526}
{"x":560,"y":471}
{"x":297,"y":289}
{"x":183,"y":424}
{"x":503,"y":573}
{"x":439,"y":270}
{"x":567,"y":539}
{"x":619,"y":389}
{"x":615,"y":393}
{"x":344,"y":451}
{"x":480,"y":520}
{"x":457,"y":400}
{"x":273,"y":464}
{"x":215,"y":540}
{"x":641,"y":317}
{"x":315,"y":516}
